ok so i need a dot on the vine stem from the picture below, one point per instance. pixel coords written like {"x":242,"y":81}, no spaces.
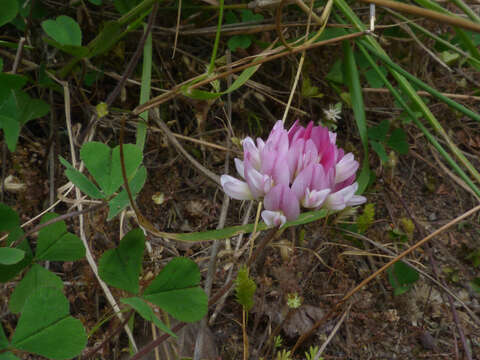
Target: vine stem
{"x":217,"y":39}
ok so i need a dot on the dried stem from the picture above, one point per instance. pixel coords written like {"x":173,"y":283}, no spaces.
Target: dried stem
{"x":435,"y":271}
{"x":212,"y":267}
{"x":178,"y":89}
{"x":57,"y":219}
{"x":135,"y":58}
{"x":381,"y":270}
{"x":429,"y":14}
{"x":332,"y":334}
{"x":18,"y":55}
{"x":88,"y":253}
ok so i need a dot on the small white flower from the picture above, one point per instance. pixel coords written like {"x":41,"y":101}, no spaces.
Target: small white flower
{"x":333,"y":112}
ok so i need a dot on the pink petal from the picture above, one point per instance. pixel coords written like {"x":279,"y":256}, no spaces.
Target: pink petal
{"x":335,"y":201}
{"x":235,"y":188}
{"x":302,"y":181}
{"x":293,"y":130}
{"x":273,"y":198}
{"x":320,"y":180}
{"x":281,"y":172}
{"x":294,"y":154}
{"x":328,"y":156}
{"x":282,"y":198}
{"x":278,"y":125}
{"x":345,"y":183}
{"x":310,"y":156}
{"x":349,"y":191}
{"x":289,"y":204}
{"x":278,"y":137}
{"x":269,"y":156}
{"x":310,"y":147}
{"x":283,"y":144}
{"x":340,"y":154}
{"x":320,"y":138}
{"x":308,"y":131}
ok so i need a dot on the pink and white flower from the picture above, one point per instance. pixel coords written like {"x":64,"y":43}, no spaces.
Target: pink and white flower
{"x":301,"y":167}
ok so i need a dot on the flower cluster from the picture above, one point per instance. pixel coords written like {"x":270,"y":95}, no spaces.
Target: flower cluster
{"x":299,"y":167}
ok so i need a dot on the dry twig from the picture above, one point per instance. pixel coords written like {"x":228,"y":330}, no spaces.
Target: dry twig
{"x":381,"y":270}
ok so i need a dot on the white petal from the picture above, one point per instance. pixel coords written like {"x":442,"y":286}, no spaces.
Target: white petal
{"x":315,"y":198}
{"x":335,"y":201}
{"x":258,"y":182}
{"x":239,"y":167}
{"x":339,"y":200}
{"x":345,"y":168}
{"x":273,"y":218}
{"x":356,"y":200}
{"x":248,"y":141}
{"x":349,"y":191}
{"x":250,"y":147}
{"x":333,"y":137}
{"x":235,"y":188}
{"x":260,"y":144}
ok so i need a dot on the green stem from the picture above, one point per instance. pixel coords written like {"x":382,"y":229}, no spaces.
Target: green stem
{"x":467,"y":10}
{"x":217,"y":39}
{"x":207,"y":7}
{"x":145,"y":89}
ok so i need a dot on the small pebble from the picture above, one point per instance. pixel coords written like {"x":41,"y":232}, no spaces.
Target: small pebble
{"x":427,"y":340}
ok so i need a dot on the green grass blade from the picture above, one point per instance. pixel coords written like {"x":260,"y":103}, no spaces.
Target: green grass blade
{"x":453,"y":104}
{"x":427,"y":113}
{"x":467,"y":10}
{"x":137,"y":11}
{"x":464,"y":38}
{"x":353,"y":81}
{"x":145,"y":89}
{"x":417,"y":122}
{"x":217,"y":39}
{"x":407,"y":88}
{"x":447,"y":44}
